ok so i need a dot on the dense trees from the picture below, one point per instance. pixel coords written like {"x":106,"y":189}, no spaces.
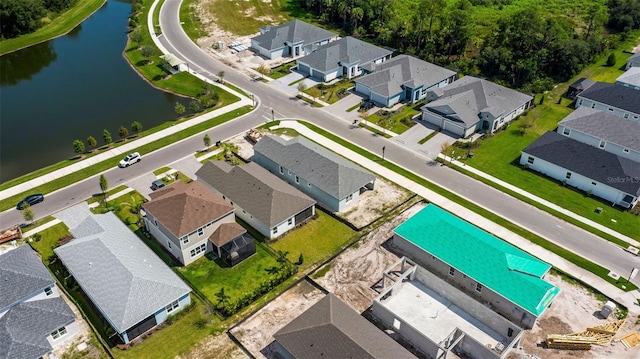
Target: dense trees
{"x":624,"y":15}
{"x":19,"y":17}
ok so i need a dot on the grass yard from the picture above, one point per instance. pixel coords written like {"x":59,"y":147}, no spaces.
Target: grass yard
{"x":399,"y":120}
{"x":330,"y":93}
{"x":282,"y":70}
{"x":49,"y":240}
{"x":211,"y":276}
{"x":317,"y":240}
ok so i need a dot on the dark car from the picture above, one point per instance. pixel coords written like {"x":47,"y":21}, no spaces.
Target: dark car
{"x":157,"y":184}
{"x":31,"y":200}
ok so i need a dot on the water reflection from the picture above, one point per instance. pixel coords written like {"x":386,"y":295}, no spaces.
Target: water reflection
{"x":24,"y":64}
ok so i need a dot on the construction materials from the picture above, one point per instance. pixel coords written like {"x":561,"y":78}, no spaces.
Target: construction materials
{"x":630,"y":340}
{"x":11,"y":234}
{"x":600,"y":335}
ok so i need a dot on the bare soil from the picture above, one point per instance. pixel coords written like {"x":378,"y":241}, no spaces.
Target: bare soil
{"x":83,"y":336}
{"x":215,"y":346}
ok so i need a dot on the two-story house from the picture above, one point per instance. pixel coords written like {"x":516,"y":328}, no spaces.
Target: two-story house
{"x":294,"y":38}
{"x":630,"y":78}
{"x":619,"y":100}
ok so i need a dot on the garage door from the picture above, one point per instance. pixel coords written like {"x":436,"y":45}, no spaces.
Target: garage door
{"x":303,"y":69}
{"x":141,"y":327}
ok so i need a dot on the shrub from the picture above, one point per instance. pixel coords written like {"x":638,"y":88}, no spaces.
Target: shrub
{"x":611,"y":60}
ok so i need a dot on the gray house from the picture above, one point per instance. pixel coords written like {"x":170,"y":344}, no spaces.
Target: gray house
{"x":634,"y":61}
{"x":473,"y":105}
{"x":190,"y":220}
{"x":615,"y":99}
{"x":606,"y":175}
{"x":294,"y":38}
{"x":34,"y":319}
{"x":630,"y":78}
{"x":331,"y":329}
{"x":403,"y":78}
{"x":261,"y":199}
{"x":333,"y":181}
{"x":131,"y":287}
{"x":342,"y":58}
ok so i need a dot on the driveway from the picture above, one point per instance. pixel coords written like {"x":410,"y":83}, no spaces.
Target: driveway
{"x":340,"y":108}
{"x":188,"y":166}
{"x":411,"y":138}
{"x":142,"y":184}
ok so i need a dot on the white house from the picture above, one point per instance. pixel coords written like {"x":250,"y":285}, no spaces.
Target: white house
{"x":618,"y":100}
{"x":630,"y":78}
{"x":294,"y":38}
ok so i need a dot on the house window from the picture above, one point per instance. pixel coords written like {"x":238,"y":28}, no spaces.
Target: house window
{"x":610,"y":109}
{"x":626,"y":150}
{"x":566,"y":131}
{"x":593,"y":105}
{"x":568,"y":175}
{"x":274,"y":230}
{"x":602,"y":144}
{"x":530,"y":160}
{"x":290,"y":221}
{"x":199,"y":249}
{"x":155,"y":221}
{"x":593,"y":183}
{"x":169,"y":244}
{"x":626,"y":115}
{"x":281,"y":170}
{"x":200,"y":232}
{"x":510,"y":332}
{"x":308,"y":184}
{"x":185,"y":239}
{"x":297,"y":179}
{"x":350,"y":198}
{"x":48,"y":291}
{"x":580,"y":102}
{"x":173,"y":306}
{"x":224,"y":197}
{"x":478,"y":287}
{"x":452,"y":271}
{"x":58,"y":333}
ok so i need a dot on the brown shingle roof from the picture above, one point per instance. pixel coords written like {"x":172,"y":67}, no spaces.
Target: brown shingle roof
{"x":183,"y":208}
{"x":226,"y":233}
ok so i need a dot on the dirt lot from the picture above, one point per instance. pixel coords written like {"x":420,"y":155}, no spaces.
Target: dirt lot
{"x":256,"y":333}
{"x":215,"y":346}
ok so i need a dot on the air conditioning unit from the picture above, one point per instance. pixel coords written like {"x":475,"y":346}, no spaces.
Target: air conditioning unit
{"x":499,"y":347}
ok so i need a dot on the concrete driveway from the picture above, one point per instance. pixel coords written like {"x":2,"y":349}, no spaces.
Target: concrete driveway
{"x":142,"y":184}
{"x":188,"y":166}
{"x":431,"y":148}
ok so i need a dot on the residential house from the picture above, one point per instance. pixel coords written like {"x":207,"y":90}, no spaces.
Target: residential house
{"x":294,"y":38}
{"x":604,"y":174}
{"x":630,"y":78}
{"x":336,"y":183}
{"x":262,"y":200}
{"x":604,"y":131}
{"x":34,"y":318}
{"x":190,"y":220}
{"x":437,"y":318}
{"x":493,"y":272}
{"x":403,"y":78}
{"x":615,"y":99}
{"x":132,"y":289}
{"x":578,"y":86}
{"x":634,"y":61}
{"x":473,"y":105}
{"x":331,"y":329}
{"x":344,"y":58}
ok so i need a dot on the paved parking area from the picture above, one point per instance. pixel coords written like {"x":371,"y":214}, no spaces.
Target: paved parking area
{"x":431,"y":148}
{"x":142,"y":184}
{"x":188,"y":166}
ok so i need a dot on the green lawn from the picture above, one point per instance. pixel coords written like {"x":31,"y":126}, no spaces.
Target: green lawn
{"x":317,"y":240}
{"x":399,"y":120}
{"x":49,"y":240}
{"x":211,"y":276}
{"x":60,"y":25}
{"x":99,"y":197}
{"x":329,"y":93}
{"x":282,"y":70}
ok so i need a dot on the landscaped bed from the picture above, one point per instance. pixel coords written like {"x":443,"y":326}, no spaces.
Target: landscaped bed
{"x":330,"y":93}
{"x":397,"y":121}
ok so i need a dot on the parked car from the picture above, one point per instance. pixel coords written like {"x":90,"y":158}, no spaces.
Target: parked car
{"x":31,"y":200}
{"x":130,"y":159}
{"x":366,"y":105}
{"x":157,"y":184}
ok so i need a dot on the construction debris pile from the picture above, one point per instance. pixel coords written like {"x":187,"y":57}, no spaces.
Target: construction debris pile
{"x":599,"y":335}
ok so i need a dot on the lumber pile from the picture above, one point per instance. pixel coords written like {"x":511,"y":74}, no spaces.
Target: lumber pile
{"x":600,"y":335}
{"x":630,"y":340}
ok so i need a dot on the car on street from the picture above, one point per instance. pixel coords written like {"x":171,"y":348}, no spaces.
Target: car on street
{"x":130,"y":159}
{"x":157,"y":184}
{"x":30,"y":200}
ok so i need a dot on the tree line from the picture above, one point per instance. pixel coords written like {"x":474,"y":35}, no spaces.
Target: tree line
{"x":19,"y":17}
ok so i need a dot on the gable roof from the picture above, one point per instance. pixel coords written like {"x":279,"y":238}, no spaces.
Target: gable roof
{"x":22,"y":274}
{"x":331,"y":329}
{"x":614,"y":95}
{"x":292,"y":32}
{"x":404,"y":70}
{"x":25,"y":327}
{"x":589,"y":161}
{"x":259,"y":192}
{"x":631,"y":77}
{"x":497,"y":265}
{"x":606,"y":126}
{"x":182,"y":208}
{"x":124,"y":279}
{"x":324,"y":169}
{"x":469,"y":97}
{"x":347,"y":50}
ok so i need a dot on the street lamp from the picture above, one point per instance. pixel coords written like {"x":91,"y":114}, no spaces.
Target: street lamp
{"x":383,"y":148}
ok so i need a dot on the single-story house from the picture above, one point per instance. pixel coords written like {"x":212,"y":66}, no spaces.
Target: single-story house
{"x":262,"y":200}
{"x":294,"y":38}
{"x":472,"y":105}
{"x":634,"y":61}
{"x":437,"y":318}
{"x":630,"y":78}
{"x":333,"y":181}
{"x":484,"y":267}
{"x":128,"y":284}
{"x":604,"y":131}
{"x":331,"y":329}
{"x":344,"y":58}
{"x":403,"y":78}
{"x":34,"y":318}
{"x":604,"y":174}
{"x":190,"y":220}
{"x":578,"y":86}
{"x":615,"y":99}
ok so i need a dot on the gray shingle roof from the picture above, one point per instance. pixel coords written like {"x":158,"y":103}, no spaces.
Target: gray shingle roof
{"x":603,"y":125}
{"x":331,"y":329}
{"x":635,"y":58}
{"x":464,"y":100}
{"x":613,"y":95}
{"x":125,"y":280}
{"x":292,"y":32}
{"x":389,"y":76}
{"x":631,"y":76}
{"x":346,"y":50}
{"x":324,"y":169}
{"x":21,"y":275}
{"x":24,"y":328}
{"x":602,"y":166}
{"x":259,"y":192}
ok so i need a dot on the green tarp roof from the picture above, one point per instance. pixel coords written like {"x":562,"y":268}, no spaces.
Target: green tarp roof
{"x":492,"y":262}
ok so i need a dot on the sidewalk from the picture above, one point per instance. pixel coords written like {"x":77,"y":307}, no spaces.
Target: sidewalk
{"x":628,"y":299}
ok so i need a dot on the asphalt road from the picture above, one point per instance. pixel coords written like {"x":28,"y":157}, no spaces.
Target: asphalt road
{"x":571,"y":237}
